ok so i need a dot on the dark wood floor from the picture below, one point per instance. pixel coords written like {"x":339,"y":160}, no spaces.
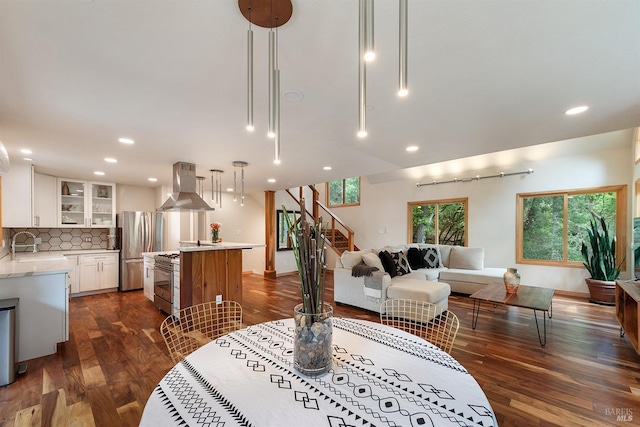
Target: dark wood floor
{"x":103,"y":375}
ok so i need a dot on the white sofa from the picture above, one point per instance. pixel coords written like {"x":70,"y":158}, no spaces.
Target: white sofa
{"x":458,"y":269}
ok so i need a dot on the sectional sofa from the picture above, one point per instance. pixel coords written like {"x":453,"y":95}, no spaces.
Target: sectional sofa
{"x":416,"y":271}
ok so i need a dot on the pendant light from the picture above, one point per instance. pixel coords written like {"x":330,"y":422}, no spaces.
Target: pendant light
{"x":403,"y":89}
{"x":239,"y":164}
{"x":250,"y":74}
{"x":200,"y":182}
{"x":362,"y":72}
{"x":276,"y":102}
{"x":269,"y":14}
{"x":216,"y":187}
{"x":369,"y":50}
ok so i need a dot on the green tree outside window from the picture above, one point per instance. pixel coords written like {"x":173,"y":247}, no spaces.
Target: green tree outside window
{"x":552,"y":226}
{"x":343,"y":192}
{"x":438,"y":222}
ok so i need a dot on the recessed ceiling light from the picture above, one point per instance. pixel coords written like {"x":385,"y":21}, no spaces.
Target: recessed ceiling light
{"x":292,"y":95}
{"x":230,"y":190}
{"x":271,"y":180}
{"x":126,"y":140}
{"x":327,"y":168}
{"x":99,"y":173}
{"x":412,"y":148}
{"x":153,"y":179}
{"x":26,"y":151}
{"x":576,"y":110}
{"x":110,"y":160}
{"x":27,"y":159}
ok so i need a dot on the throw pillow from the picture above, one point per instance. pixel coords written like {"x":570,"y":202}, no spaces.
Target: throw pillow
{"x":349,"y":259}
{"x":416,"y":260}
{"x":466,"y":258}
{"x":387,"y":263}
{"x":401,"y":263}
{"x":372,"y":260}
{"x":431,"y":257}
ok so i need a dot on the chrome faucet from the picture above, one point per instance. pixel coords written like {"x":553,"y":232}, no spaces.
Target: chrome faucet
{"x":14,"y":246}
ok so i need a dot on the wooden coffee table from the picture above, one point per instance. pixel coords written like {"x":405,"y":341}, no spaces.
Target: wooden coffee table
{"x":537,"y":299}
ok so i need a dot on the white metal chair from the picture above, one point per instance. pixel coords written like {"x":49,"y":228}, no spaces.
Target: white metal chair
{"x":198,"y":325}
{"x":429,"y":321}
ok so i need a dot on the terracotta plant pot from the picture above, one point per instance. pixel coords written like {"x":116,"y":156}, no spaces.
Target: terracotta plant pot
{"x":601,"y":291}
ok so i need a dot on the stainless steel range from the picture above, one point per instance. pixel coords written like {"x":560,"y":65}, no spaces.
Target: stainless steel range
{"x":163,"y":281}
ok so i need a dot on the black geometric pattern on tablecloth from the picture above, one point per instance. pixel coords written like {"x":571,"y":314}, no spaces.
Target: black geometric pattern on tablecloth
{"x":436,"y":404}
{"x":279,"y":379}
{"x":338,"y":422}
{"x":168,"y":405}
{"x":213,"y":393}
{"x":309,"y":402}
{"x":397,"y":375}
{"x":401,"y":343}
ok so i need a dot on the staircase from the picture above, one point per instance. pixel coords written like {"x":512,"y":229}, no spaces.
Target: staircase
{"x":338,"y":236}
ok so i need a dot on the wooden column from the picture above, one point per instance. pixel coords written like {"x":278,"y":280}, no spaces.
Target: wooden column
{"x":270,"y":234}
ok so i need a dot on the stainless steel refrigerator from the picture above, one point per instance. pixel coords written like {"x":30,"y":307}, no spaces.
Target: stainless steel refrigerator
{"x":138,"y":232}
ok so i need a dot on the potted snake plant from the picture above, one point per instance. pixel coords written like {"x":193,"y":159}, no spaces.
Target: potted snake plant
{"x":599,"y":256}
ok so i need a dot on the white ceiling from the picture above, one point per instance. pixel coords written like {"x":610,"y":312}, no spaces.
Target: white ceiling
{"x":484,"y":76}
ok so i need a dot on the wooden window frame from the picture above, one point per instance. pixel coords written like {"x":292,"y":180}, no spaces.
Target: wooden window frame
{"x":621,"y":223}
{"x":328,"y":198}
{"x":463,"y":200}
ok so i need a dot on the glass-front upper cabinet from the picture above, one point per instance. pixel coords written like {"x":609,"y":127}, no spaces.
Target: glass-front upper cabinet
{"x":86,"y":204}
{"x":103,"y":204}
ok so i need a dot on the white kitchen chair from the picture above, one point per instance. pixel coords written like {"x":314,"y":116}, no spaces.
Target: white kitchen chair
{"x":198,"y":325}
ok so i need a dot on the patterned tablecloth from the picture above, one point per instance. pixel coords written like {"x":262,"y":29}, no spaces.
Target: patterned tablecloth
{"x":380,"y":377}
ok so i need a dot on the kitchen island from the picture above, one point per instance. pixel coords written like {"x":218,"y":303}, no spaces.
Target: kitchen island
{"x":40,"y":282}
{"x":211,"y":270}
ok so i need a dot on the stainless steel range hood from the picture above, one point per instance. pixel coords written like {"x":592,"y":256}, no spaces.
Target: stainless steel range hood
{"x":184,"y":196}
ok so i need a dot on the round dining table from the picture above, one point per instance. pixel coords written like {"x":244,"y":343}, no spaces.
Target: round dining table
{"x":380,"y":376}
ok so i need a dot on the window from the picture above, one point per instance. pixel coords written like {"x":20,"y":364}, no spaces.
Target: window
{"x":343,"y":192}
{"x":552,"y":226}
{"x":442,"y":222}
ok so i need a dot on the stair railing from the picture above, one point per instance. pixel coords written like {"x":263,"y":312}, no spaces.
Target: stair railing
{"x":336,"y":228}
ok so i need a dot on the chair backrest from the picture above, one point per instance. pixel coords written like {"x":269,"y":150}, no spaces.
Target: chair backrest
{"x":424,"y":319}
{"x":198,"y":325}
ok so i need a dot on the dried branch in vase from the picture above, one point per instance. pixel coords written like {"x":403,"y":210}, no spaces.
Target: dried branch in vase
{"x":309,"y":251}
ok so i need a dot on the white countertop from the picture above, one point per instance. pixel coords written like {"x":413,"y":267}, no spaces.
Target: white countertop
{"x":192,"y":246}
{"x":40,"y":263}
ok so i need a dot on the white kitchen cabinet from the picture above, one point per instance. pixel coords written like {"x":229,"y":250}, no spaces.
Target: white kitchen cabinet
{"x":98,"y":272}
{"x":74,"y":274}
{"x":43,"y":312}
{"x":148,"y":276}
{"x":44,"y":201}
{"x":17,"y":190}
{"x":86,"y":204}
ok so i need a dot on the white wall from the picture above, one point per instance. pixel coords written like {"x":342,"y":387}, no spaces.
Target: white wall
{"x":133,"y":198}
{"x":381,"y":218}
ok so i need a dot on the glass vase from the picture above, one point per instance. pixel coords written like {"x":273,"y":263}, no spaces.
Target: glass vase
{"x":511,"y":280}
{"x":312,"y":343}
{"x":214,"y":236}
